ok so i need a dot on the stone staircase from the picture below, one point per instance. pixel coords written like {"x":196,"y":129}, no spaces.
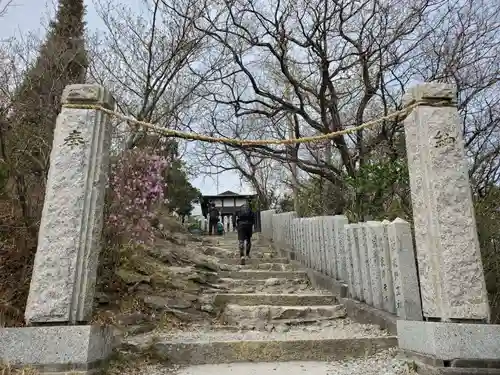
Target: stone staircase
{"x":269,"y":313}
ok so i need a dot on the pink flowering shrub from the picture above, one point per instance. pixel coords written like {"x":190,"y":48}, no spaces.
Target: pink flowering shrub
{"x":136,"y":186}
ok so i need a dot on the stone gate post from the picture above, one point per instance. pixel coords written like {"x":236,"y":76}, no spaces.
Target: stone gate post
{"x":59,"y":307}
{"x":452,"y":284}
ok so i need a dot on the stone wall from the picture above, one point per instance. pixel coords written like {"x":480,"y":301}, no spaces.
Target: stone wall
{"x":374,"y":259}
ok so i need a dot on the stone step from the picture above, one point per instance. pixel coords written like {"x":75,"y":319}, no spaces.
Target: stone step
{"x":384,"y":362}
{"x":251,"y":274}
{"x":272,"y":281}
{"x":253,"y":261}
{"x":265,"y":266}
{"x":233,"y":253}
{"x":260,"y":256}
{"x":196,"y":348}
{"x":253,"y":253}
{"x":254,"y":299}
{"x":291,"y":290}
{"x":234,"y":246}
{"x":256,"y":249}
{"x":244,"y":315}
{"x":272,"y":285}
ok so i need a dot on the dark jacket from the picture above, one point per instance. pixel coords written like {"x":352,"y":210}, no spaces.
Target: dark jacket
{"x":213,"y":214}
{"x":245,"y":215}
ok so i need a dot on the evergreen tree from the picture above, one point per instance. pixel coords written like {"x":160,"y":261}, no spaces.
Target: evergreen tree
{"x":179,"y":191}
{"x":26,"y":140}
{"x":61,"y":61}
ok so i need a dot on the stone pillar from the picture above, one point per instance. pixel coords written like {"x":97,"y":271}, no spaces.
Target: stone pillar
{"x":275,"y":227}
{"x":389,"y":303}
{"x":281,"y":228}
{"x":314,"y":243}
{"x":452,"y":281}
{"x":451,"y":273}
{"x":64,"y":272}
{"x":339,"y":222}
{"x":329,"y":241}
{"x":290,"y":234}
{"x":374,"y":249}
{"x":317,"y":243}
{"x":322,"y":245}
{"x":364,"y":263}
{"x":356,"y":262}
{"x":59,"y":305}
{"x":296,"y":238}
{"x":309,"y":240}
{"x":350,"y":250}
{"x":267,"y":223}
{"x":302,"y":240}
{"x":404,"y":271}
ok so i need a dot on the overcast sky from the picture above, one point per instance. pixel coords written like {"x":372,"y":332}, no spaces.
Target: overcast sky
{"x":30,"y":15}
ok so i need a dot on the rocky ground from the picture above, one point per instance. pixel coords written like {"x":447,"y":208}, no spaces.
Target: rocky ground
{"x":192,"y":309}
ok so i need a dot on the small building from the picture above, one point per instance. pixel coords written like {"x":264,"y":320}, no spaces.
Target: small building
{"x":228,"y":203}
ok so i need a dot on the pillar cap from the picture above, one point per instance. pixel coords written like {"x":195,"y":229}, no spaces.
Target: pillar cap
{"x":431,"y":92}
{"x":88,"y":94}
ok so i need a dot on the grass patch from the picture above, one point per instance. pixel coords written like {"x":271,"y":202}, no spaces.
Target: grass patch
{"x":6,"y":369}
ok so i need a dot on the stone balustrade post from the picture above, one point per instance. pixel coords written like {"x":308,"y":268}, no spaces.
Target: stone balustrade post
{"x":404,"y":271}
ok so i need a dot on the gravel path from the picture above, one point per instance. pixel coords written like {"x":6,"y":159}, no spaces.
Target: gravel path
{"x":384,"y":363}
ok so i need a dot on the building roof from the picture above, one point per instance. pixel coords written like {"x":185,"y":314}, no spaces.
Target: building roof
{"x":229,"y":193}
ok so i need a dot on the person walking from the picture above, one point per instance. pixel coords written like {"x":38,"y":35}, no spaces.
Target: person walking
{"x":220,"y":228}
{"x":244,"y":222}
{"x":213,"y":219}
{"x":234,"y":221}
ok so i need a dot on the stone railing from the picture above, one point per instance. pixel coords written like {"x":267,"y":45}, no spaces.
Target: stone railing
{"x":375,"y":260}
{"x":443,"y":314}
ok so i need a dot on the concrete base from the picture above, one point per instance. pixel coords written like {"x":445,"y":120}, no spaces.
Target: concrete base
{"x":363,"y":313}
{"x":431,"y":370}
{"x":427,"y":365}
{"x":56,"y":349}
{"x":450,"y":341}
{"x":321,"y":281}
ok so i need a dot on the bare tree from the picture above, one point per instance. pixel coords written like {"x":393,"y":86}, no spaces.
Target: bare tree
{"x":154,"y":61}
{"x":332,"y":54}
{"x":349,"y":62}
{"x":4,"y":6}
